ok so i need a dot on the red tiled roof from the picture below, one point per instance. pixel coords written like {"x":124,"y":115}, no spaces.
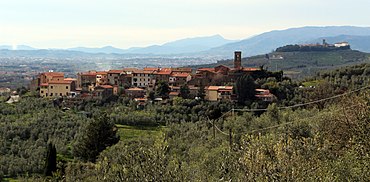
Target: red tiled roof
{"x":44,"y":84}
{"x":174,"y":93}
{"x":70,"y":79}
{"x":143,"y":72}
{"x":105,"y":86}
{"x":251,"y":69}
{"x":150,"y":69}
{"x":223,"y":88}
{"x":61,"y":82}
{"x":163,"y":72}
{"x":90,"y":73}
{"x":135,"y":89}
{"x":206,"y":69}
{"x":115,"y":71}
{"x":182,"y":69}
{"x":101,"y":73}
{"x":262,"y":90}
{"x":140,"y":99}
{"x":180,"y":75}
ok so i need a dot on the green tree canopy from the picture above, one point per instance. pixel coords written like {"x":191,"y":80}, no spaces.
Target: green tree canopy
{"x":184,"y":91}
{"x":96,"y":136}
{"x":162,"y":89}
{"x":245,"y":89}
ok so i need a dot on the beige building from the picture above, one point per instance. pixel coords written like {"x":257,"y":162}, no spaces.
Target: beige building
{"x":141,"y":78}
{"x":51,"y":76}
{"x":113,"y":76}
{"x":265,"y":95}
{"x":216,"y":93}
{"x":177,"y":79}
{"x":101,"y":78}
{"x":57,"y":88}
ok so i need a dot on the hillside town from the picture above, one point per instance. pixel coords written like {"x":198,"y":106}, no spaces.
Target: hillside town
{"x":214,"y":83}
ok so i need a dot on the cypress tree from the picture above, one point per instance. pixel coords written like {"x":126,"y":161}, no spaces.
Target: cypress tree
{"x":51,"y":160}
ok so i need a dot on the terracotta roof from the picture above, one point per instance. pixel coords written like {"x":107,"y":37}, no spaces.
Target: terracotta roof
{"x":221,"y":65}
{"x":164,"y":72}
{"x":70,"y":79}
{"x":206,"y":69}
{"x":105,"y":86}
{"x":135,"y":89}
{"x":61,"y":82}
{"x":150,"y":69}
{"x":262,"y":90}
{"x":182,"y":69}
{"x":251,"y":69}
{"x":174,"y":93}
{"x":174,"y":87}
{"x":224,"y":88}
{"x":90,"y":73}
{"x":142,"y":71}
{"x":180,"y":75}
{"x":101,"y":73}
{"x":140,"y":99}
{"x":44,"y":84}
{"x":115,"y":71}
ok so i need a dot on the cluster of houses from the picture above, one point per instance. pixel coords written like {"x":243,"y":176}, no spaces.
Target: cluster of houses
{"x":137,"y":83}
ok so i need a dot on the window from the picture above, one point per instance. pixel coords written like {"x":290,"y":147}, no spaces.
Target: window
{"x":51,"y":87}
{"x":46,"y":94}
{"x":51,"y":94}
{"x":61,"y":94}
{"x":42,"y":91}
{"x":66,"y":87}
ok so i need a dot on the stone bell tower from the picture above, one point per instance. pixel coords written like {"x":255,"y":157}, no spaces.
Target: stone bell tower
{"x":238,"y":60}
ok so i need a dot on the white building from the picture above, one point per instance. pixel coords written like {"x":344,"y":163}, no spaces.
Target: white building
{"x":341,"y":44}
{"x":142,"y":78}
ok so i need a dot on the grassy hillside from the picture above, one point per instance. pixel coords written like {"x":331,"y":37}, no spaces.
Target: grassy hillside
{"x":300,"y":64}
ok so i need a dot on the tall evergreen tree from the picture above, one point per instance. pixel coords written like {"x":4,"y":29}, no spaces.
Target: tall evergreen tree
{"x":245,"y":89}
{"x":50,"y":160}
{"x":162,"y":89}
{"x":201,"y":92}
{"x":184,"y":91}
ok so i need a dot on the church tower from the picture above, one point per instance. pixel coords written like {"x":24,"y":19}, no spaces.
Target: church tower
{"x":238,"y":60}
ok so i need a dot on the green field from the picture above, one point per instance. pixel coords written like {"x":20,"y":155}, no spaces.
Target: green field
{"x":128,"y":133}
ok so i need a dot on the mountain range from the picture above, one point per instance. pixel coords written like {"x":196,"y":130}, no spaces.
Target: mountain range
{"x":217,"y":46}
{"x":183,"y":46}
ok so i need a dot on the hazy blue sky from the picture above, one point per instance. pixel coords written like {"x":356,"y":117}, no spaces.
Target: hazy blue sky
{"x":127,"y":23}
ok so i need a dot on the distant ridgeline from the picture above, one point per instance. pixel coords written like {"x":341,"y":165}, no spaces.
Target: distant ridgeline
{"x":315,"y":47}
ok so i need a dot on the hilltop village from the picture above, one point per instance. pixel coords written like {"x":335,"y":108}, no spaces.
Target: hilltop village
{"x":212,"y":84}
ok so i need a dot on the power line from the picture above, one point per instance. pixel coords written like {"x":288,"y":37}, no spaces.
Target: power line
{"x":293,"y":106}
{"x":307,"y":103}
